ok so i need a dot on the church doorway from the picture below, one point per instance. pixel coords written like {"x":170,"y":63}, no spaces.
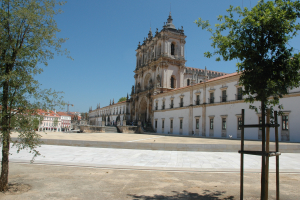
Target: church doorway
{"x":143,"y":110}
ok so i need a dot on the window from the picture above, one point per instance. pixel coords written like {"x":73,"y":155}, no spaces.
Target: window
{"x":181,"y":124}
{"x":197,"y":123}
{"x":172,"y":49}
{"x":211,"y":100}
{"x":188,"y":82}
{"x":223,"y":123}
{"x":240,"y":95}
{"x":156,"y":105}
{"x":171,"y":123}
{"x":224,"y":96}
{"x":260,"y":122}
{"x":172,"y":82}
{"x":198,"y":100}
{"x":239,"y":122}
{"x":211,"y":124}
{"x":163,"y":124}
{"x":285,"y":122}
{"x":163,"y":106}
{"x":155,"y":124}
{"x":181,"y":102}
{"x":172,"y":104}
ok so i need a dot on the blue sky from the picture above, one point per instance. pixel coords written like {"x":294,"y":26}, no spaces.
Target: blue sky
{"x":103,"y":37}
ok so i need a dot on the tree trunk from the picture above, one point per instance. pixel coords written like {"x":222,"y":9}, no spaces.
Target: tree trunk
{"x":5,"y":136}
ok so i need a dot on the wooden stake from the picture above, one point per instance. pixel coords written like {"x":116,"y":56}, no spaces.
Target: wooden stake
{"x":242,"y":158}
{"x":277,"y":157}
{"x":267,"y":156}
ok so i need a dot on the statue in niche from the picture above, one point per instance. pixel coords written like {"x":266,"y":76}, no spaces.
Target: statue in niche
{"x":158,"y":81}
{"x":132,"y":90}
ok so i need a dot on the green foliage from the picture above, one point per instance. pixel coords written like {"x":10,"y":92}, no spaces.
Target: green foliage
{"x":55,"y":122}
{"x":258,"y":39}
{"x":27,"y":38}
{"x":122,"y":99}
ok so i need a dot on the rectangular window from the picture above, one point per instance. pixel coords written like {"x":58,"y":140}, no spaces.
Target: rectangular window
{"x":163,"y":124}
{"x":211,"y":124}
{"x":239,"y":122}
{"x":155,"y":124}
{"x":156,"y":105}
{"x":181,"y":124}
{"x":171,"y":123}
{"x":198,"y":100}
{"x":181,"y":102}
{"x":197,"y":123}
{"x":239,"y":94}
{"x":163,"y":106}
{"x":260,"y":122}
{"x":172,"y":103}
{"x":224,"y":96}
{"x":285,"y":122}
{"x":211,"y":99}
{"x":223,"y":123}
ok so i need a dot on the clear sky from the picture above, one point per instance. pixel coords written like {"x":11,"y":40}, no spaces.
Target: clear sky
{"x":103,"y":36}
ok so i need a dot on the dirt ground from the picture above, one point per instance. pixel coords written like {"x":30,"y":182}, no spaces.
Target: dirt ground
{"x":33,"y":181}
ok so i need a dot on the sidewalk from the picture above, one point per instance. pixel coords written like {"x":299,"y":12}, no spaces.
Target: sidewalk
{"x":156,"y":142}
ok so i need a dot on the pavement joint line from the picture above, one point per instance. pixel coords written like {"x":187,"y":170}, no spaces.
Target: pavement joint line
{"x":161,"y":169}
{"x":145,"y":139}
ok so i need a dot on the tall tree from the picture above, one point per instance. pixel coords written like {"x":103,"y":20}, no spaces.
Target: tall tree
{"x":28,"y":38}
{"x":259,"y":40}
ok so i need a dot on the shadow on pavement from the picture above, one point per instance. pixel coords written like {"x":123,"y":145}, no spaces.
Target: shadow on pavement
{"x":207,"y":195}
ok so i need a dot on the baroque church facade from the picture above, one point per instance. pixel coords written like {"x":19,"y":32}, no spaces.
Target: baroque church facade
{"x":180,"y":100}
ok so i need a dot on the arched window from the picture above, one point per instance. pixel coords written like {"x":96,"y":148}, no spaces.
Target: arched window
{"x":172,"y":82}
{"x":188,"y":82}
{"x":172,"y":49}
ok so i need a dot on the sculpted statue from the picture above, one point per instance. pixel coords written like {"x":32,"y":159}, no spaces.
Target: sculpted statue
{"x":132,"y":90}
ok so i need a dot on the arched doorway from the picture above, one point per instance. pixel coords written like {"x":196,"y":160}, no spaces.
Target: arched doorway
{"x":143,"y":110}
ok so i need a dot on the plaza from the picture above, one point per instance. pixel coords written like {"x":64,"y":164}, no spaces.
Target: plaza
{"x":76,"y":171}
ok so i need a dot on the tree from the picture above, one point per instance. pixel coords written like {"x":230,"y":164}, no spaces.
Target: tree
{"x":28,"y":38}
{"x":55,"y":122}
{"x":122,"y":99}
{"x":258,"y":39}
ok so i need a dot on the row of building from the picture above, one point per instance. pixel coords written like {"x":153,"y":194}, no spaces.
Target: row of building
{"x":57,"y":121}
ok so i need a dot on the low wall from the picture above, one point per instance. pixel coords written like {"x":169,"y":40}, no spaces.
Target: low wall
{"x":92,"y":129}
{"x":128,"y":129}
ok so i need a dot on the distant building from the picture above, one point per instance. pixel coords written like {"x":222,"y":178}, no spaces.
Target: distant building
{"x":50,"y":121}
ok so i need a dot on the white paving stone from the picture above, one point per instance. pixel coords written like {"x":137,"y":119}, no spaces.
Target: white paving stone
{"x":90,"y":156}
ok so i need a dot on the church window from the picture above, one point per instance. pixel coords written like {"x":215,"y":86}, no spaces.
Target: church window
{"x":171,"y":123}
{"x":224,"y":96}
{"x":172,"y":49}
{"x":172,"y":82}
{"x":198,"y":99}
{"x":197,"y":123}
{"x":163,"y":124}
{"x":181,"y":102}
{"x":285,"y":122}
{"x":212,"y":98}
{"x":240,"y":94}
{"x":223,"y":123}
{"x":188,"y":82}
{"x":181,"y":124}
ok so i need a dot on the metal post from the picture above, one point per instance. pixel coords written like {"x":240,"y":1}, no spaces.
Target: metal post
{"x":277,"y":157}
{"x":267,"y":156}
{"x":263,"y":152}
{"x":242,"y":158}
